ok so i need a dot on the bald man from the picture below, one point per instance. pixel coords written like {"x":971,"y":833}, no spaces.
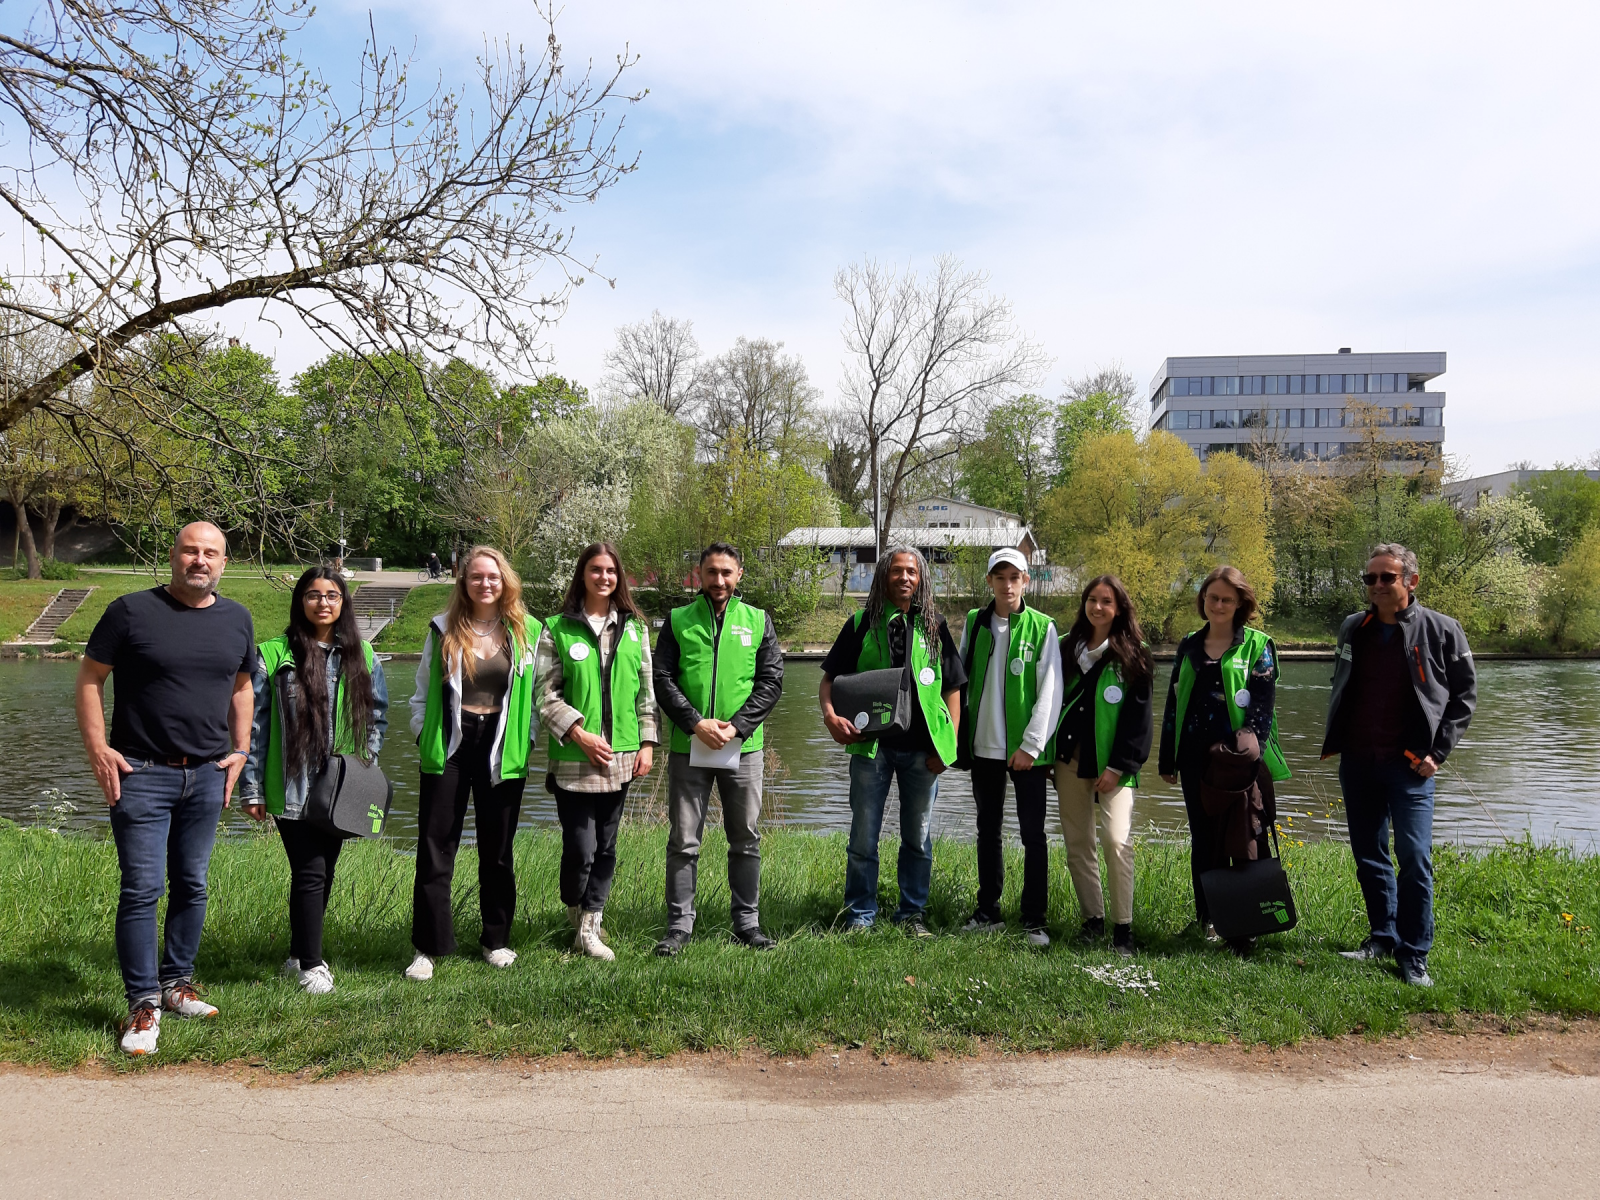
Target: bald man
{"x":180,"y":731}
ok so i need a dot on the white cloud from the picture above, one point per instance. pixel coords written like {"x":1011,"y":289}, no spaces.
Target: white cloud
{"x":1141,"y":180}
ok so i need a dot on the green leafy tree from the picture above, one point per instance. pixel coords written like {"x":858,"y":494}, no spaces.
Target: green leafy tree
{"x":1570,"y":602}
{"x":1009,"y":467}
{"x":1080,"y":419}
{"x":1569,"y":502}
{"x":1147,"y":512}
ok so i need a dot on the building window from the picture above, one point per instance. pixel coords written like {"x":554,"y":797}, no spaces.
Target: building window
{"x":1433,"y":417}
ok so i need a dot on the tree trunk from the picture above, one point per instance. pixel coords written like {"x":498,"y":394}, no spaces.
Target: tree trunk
{"x":49,"y":519}
{"x":25,"y":532}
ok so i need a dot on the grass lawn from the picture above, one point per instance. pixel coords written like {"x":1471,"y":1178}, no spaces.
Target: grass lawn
{"x":1504,"y":949}
{"x":405,"y":633}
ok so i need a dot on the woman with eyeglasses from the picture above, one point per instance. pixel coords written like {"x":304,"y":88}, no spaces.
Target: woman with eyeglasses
{"x":1221,"y":703}
{"x":474,"y":718}
{"x":597,"y":701}
{"x":319,"y":691}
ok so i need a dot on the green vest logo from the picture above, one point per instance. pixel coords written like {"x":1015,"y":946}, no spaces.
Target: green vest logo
{"x":376,"y":814}
{"x":1276,"y":908}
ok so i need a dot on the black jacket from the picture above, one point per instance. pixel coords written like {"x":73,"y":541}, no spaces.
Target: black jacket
{"x":1439,"y":662}
{"x":1130,"y":744}
{"x":1263,"y":694}
{"x":764,"y":691}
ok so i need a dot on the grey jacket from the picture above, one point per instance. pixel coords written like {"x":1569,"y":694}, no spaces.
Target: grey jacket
{"x":1439,"y":662}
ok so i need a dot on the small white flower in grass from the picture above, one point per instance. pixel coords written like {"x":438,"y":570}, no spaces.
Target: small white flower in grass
{"x":1124,"y":979}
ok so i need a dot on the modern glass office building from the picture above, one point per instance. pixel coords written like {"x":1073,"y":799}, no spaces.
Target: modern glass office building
{"x":1301,"y":406}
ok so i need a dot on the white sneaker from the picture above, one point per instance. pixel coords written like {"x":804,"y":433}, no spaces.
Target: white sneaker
{"x":290,"y":968}
{"x":502,"y":957}
{"x":140,"y":1030}
{"x":181,"y":998}
{"x":588,"y":941}
{"x":982,"y":924}
{"x":421,"y":968}
{"x":1039,"y":939}
{"x":318,"y":981}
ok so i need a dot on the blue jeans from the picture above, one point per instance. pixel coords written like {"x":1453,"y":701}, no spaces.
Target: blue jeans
{"x":1376,"y":796}
{"x":165,"y":825}
{"x":869,"y":793}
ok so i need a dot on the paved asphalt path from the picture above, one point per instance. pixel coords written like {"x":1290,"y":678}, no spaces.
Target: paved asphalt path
{"x":1412,"y":1119}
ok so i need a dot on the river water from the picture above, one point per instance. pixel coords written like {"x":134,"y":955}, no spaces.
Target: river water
{"x":1529,"y":765}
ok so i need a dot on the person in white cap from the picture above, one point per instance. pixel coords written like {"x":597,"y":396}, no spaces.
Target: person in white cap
{"x":1009,"y":712}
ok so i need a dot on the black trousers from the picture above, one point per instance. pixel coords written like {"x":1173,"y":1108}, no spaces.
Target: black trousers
{"x":442,"y":813}
{"x":1205,"y":835}
{"x":589,"y":823}
{"x":989,"y":790}
{"x":313,"y":853}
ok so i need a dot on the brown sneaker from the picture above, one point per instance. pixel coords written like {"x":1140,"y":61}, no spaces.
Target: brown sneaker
{"x":181,"y":998}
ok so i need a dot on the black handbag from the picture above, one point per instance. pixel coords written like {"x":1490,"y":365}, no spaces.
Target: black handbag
{"x":349,"y":797}
{"x":1251,"y":900}
{"x":875,"y":702}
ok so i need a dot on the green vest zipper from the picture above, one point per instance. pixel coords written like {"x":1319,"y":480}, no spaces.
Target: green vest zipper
{"x":926,"y":676}
{"x":1235,"y":664}
{"x":1028,"y":628}
{"x":583,"y":676}
{"x":717,"y":667}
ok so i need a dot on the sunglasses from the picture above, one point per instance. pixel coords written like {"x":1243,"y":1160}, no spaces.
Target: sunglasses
{"x":1383,"y":577}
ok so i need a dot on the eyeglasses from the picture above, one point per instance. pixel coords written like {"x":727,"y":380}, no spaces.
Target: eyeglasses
{"x":323,"y":598}
{"x":1383,"y":577}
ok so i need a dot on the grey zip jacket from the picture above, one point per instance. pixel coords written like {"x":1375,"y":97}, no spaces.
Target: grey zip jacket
{"x":1439,"y":662}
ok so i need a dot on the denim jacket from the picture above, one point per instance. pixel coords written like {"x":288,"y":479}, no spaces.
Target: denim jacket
{"x":285,"y":689}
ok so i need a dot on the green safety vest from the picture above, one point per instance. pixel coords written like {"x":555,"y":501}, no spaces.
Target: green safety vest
{"x":1109,"y":694}
{"x":1236,"y":664}
{"x":581,"y":685}
{"x":275,"y":655}
{"x":516,"y":713}
{"x":1027,"y":632}
{"x":926,"y":676}
{"x":717,"y":671}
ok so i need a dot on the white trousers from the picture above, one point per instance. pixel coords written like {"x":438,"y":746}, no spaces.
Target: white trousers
{"x":1077,"y":807}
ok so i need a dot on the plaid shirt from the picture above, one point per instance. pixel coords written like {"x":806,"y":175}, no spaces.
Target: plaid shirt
{"x":556,"y":715}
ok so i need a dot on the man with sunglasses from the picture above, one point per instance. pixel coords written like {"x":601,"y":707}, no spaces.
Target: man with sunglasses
{"x":1404,"y":688}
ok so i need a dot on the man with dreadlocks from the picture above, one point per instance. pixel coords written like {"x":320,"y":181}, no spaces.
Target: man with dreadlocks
{"x":900,"y":618}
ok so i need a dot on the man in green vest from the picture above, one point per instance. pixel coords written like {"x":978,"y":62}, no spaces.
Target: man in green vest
{"x":1009,"y":715}
{"x":718,"y":672}
{"x":899,"y":620}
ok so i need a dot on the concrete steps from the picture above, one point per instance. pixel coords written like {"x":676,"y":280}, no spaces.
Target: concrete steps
{"x":55,"y":614}
{"x":375,"y":605}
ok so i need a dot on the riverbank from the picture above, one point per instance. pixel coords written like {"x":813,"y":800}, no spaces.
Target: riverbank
{"x":1505,"y":949}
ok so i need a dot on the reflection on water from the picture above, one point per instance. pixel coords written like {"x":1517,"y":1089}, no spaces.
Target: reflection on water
{"x":1529,"y":764}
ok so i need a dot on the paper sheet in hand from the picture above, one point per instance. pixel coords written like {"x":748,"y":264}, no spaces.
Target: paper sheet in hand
{"x":701,"y":755}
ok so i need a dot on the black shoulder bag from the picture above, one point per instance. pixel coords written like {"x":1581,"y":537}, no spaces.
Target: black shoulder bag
{"x":349,"y":798}
{"x":1251,"y":900}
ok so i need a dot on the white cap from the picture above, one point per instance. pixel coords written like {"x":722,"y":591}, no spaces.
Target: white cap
{"x":1006,"y":555}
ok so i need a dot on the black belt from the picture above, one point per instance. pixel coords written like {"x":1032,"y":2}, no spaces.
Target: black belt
{"x":188,"y":760}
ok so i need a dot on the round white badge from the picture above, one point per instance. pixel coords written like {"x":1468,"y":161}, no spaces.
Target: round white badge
{"x":925,"y":677}
{"x":1016,"y":666}
{"x":579,"y":652}
{"x":1113,"y":694}
{"x":1242,"y":698}
{"x":861,"y":720}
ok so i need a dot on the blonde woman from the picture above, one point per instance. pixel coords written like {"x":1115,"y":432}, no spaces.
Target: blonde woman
{"x":474,"y":717}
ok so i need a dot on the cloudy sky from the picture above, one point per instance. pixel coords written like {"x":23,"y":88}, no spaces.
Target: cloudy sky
{"x":1140,"y":180}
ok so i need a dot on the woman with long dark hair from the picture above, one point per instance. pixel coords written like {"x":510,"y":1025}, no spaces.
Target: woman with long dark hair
{"x":1223,"y":694}
{"x":1103,"y":740}
{"x":596,"y":699}
{"x":473,"y":715}
{"x":319,"y":691}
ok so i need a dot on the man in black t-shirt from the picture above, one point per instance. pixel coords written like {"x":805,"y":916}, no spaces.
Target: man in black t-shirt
{"x":899,"y":607}
{"x":180,"y":731}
